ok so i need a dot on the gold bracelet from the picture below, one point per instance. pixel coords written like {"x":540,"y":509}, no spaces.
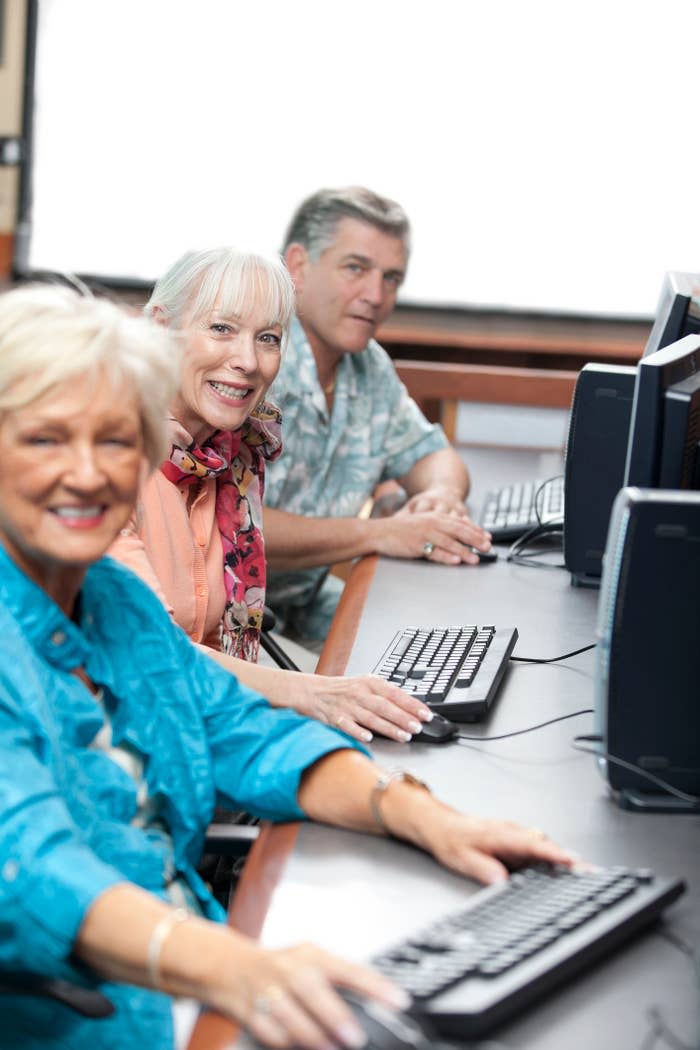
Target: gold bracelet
{"x":161,"y":931}
{"x":383,"y":781}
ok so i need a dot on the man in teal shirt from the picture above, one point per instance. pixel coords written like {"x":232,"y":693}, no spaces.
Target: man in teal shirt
{"x":348,"y":421}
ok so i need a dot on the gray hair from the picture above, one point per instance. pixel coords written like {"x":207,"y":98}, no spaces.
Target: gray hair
{"x":231,"y":279}
{"x":314,"y":223}
{"x":50,"y":333}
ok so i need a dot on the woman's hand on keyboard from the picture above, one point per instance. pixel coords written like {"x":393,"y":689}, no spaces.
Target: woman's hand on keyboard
{"x":487,"y":849}
{"x":481,"y":848}
{"x":361,"y":706}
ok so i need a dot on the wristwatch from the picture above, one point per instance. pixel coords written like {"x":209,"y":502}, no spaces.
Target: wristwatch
{"x":383,"y":781}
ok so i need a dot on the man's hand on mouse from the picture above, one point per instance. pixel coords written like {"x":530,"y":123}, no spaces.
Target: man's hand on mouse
{"x":442,"y":538}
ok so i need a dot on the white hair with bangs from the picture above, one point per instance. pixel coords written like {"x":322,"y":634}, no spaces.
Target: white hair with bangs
{"x":232,"y":281}
{"x":51,"y":333}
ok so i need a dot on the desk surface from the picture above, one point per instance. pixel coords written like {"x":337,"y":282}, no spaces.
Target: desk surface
{"x":353,"y":893}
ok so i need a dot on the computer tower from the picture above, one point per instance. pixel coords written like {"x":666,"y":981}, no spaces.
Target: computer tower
{"x":595,"y":464}
{"x":647,"y":690}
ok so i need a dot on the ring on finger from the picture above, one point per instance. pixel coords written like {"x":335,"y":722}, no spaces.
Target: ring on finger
{"x":428,"y":549}
{"x":263,"y":1003}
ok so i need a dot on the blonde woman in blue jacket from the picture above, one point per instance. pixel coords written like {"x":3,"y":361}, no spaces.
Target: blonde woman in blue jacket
{"x":117,"y":737}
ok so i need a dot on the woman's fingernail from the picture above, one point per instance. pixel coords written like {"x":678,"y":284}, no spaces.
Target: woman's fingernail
{"x":400,"y":735}
{"x":427,"y":715}
{"x":399,"y":998}
{"x":415,"y":727}
{"x":350,"y":1034}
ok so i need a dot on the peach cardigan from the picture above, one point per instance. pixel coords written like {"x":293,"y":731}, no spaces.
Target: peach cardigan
{"x":177,"y":551}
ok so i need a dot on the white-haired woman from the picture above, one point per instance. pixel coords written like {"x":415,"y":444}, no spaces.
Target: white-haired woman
{"x":117,"y":736}
{"x":197,"y":536}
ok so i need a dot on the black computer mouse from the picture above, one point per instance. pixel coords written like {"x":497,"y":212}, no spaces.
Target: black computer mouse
{"x":485,"y":557}
{"x":388,"y":1029}
{"x":438,"y":731}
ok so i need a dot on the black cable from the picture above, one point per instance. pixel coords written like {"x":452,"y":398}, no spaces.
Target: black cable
{"x":530,"y":729}
{"x":679,"y":944}
{"x":663,"y":784}
{"x":516,"y":553}
{"x":552,"y":659}
{"x":659,"y":1029}
{"x":539,"y":491}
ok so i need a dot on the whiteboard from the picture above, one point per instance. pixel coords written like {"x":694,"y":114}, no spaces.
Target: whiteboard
{"x":546,"y":151}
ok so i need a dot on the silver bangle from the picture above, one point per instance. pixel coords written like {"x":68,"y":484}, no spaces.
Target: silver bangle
{"x":161,"y":931}
{"x":377,"y":793}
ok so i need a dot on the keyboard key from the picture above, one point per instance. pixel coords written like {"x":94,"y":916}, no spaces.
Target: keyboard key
{"x":534,"y":909}
{"x":511,"y":511}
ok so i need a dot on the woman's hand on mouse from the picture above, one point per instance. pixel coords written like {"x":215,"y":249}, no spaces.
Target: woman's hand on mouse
{"x":361,"y":706}
{"x":287,"y":997}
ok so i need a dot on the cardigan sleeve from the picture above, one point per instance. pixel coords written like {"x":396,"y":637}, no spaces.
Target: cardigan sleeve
{"x":258,"y":752}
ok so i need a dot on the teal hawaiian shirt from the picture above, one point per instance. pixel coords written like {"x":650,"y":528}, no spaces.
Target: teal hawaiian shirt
{"x":331,"y":464}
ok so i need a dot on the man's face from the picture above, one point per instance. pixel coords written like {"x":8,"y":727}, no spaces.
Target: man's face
{"x":345,"y":295}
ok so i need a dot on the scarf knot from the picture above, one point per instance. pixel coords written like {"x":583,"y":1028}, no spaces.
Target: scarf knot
{"x":236,"y":460}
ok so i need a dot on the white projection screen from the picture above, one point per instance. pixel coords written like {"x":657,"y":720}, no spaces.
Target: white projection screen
{"x":546,"y":152}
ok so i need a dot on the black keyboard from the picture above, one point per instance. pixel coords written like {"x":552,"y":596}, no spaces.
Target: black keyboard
{"x":511,"y":943}
{"x":455,"y":670}
{"x":511,"y":511}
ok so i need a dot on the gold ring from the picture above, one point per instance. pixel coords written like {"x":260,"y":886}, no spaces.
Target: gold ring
{"x":263,"y":1003}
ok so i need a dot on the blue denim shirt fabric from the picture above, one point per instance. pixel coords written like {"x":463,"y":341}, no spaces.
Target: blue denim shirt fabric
{"x":66,"y":810}
{"x":331,"y":464}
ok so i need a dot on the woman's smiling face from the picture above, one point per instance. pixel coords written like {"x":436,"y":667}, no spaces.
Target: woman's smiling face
{"x":70,"y":466}
{"x":228,"y":364}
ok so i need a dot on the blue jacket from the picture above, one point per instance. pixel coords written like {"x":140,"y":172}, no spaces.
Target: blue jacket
{"x":66,"y":810}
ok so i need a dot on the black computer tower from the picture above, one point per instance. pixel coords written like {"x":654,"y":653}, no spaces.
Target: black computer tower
{"x":648,"y":659}
{"x":595,"y":464}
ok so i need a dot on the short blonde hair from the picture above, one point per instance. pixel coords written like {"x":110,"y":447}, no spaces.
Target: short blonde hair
{"x":50,"y":333}
{"x":232,"y":279}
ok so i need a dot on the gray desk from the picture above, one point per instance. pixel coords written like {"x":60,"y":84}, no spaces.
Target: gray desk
{"x":354,"y":894}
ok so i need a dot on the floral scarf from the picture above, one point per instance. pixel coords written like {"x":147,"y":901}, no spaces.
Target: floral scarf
{"x":237,"y":460}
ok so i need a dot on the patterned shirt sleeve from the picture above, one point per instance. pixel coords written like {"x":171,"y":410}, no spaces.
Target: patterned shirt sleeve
{"x":408,"y":436}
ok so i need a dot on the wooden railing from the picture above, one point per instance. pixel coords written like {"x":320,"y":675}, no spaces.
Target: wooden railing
{"x":448,"y":356}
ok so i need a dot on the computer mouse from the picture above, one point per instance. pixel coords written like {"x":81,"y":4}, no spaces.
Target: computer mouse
{"x":388,"y":1029}
{"x":485,"y":557}
{"x":438,"y":731}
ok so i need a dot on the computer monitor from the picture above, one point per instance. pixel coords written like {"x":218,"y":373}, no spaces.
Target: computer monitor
{"x":664,"y":438}
{"x":678,"y":311}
